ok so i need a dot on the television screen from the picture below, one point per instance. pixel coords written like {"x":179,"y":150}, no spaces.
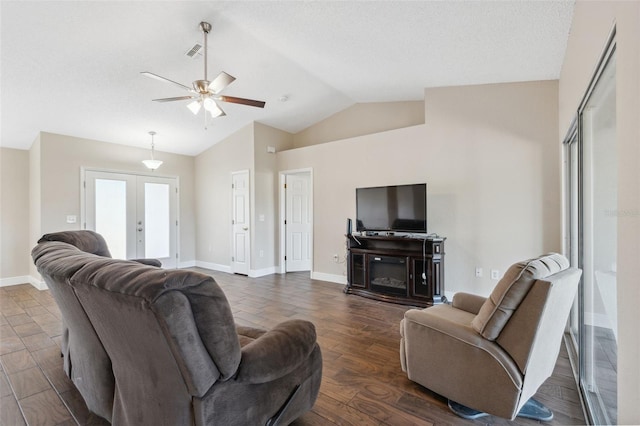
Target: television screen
{"x":400,"y":208}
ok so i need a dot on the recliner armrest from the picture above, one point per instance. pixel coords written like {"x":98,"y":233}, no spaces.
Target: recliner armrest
{"x":150,"y":262}
{"x":277,"y":352}
{"x":468,"y":302}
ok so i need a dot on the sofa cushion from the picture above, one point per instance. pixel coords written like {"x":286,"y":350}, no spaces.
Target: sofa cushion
{"x":511,"y":290}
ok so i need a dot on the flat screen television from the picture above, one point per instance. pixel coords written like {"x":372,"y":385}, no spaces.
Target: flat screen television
{"x":398,"y":208}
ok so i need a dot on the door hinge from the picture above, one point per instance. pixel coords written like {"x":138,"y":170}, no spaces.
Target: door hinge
{"x":285,"y":258}
{"x":285,"y":221}
{"x":233,"y":185}
{"x":233,"y":259}
{"x":176,"y":255}
{"x":176,"y":190}
{"x":176,"y":223}
{"x":233,"y":222}
{"x":285,"y":186}
{"x":84,"y":184}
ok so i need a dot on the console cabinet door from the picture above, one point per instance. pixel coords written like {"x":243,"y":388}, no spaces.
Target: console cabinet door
{"x":421,"y":287}
{"x":358,"y":270}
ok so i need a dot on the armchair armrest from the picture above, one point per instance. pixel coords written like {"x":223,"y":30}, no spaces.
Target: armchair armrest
{"x":468,"y":302}
{"x":277,"y":352}
{"x":150,"y":262}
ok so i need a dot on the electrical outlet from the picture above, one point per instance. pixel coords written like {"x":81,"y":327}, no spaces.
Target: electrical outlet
{"x":478,"y":272}
{"x":495,"y":274}
{"x":335,"y":258}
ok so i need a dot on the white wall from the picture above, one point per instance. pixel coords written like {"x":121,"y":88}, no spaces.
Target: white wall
{"x":592,"y":22}
{"x":490,"y":157}
{"x":15,"y":244}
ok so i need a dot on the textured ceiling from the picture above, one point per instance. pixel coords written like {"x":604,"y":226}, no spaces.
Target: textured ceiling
{"x":74,"y":67}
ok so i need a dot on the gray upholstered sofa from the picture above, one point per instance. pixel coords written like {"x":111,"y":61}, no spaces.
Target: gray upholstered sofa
{"x":490,"y":355}
{"x":176,"y":355}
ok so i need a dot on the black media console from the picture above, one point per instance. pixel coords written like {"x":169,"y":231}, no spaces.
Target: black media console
{"x":404,"y":270}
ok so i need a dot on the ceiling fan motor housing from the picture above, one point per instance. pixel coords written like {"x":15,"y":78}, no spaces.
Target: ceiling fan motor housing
{"x":201,"y":86}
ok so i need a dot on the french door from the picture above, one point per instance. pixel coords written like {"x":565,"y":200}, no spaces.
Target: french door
{"x":590,"y":224}
{"x":136,"y":214}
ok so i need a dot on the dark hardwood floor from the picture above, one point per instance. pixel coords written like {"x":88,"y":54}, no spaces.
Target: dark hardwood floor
{"x":362,"y":382}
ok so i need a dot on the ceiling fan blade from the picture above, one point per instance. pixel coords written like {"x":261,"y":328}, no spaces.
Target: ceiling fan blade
{"x":220,"y":82}
{"x":179,"y":98}
{"x":234,"y":100}
{"x":157,"y":77}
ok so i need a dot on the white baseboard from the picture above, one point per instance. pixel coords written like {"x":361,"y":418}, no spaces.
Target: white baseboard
{"x":213,"y":266}
{"x":39,"y":284}
{"x":24,"y":279}
{"x":187,"y":264}
{"x":5,"y":282}
{"x":332,"y":278}
{"x":255,"y":273}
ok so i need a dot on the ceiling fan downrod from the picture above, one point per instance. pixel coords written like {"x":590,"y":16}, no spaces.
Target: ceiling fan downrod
{"x":205,"y":27}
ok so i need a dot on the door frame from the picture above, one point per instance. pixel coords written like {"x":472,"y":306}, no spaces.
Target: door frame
{"x":83,"y":201}
{"x":281,"y":268}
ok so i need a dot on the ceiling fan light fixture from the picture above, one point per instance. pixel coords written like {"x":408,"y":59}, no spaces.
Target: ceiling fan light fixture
{"x":152,"y":164}
{"x":194,"y":106}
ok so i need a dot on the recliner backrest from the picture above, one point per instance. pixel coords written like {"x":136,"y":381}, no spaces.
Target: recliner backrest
{"x":168,"y":333}
{"x":85,"y":240}
{"x":511,"y":291}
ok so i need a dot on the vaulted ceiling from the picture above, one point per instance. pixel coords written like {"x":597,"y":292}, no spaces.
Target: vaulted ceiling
{"x":73,"y":67}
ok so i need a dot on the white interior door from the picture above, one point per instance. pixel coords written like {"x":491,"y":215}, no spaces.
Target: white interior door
{"x":298,"y":223}
{"x":136,"y":215}
{"x":240,"y":229}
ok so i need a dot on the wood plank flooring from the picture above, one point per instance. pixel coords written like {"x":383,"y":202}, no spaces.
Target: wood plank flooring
{"x":362,"y":382}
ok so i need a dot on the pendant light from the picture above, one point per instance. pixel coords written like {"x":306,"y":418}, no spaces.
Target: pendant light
{"x":153,"y":163}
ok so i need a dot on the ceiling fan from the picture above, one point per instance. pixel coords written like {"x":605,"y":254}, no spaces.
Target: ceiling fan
{"x":206,"y":93}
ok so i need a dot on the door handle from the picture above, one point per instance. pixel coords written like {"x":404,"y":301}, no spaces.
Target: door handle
{"x":140,"y":229}
{"x":244,"y":228}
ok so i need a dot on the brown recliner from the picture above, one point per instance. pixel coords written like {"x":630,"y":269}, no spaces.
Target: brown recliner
{"x":85,"y":361}
{"x":490,"y":355}
{"x":176,"y":354}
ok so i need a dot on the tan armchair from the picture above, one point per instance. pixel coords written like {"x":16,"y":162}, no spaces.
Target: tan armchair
{"x":490,"y":355}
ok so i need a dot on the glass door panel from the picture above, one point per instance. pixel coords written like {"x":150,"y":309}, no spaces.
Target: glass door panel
{"x":599,"y":253}
{"x":111,"y":214}
{"x":590,"y":236}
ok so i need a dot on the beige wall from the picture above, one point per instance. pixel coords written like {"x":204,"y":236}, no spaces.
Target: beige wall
{"x":61,"y":158}
{"x":14,"y":214}
{"x":489,"y":155}
{"x":592,"y":22}
{"x":244,"y":150}
{"x":213,"y":170}
{"x":35,"y":202}
{"x":362,"y":119}
{"x":265,"y":183}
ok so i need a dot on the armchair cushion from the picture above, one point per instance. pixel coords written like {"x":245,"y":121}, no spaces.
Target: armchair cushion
{"x":511,"y":290}
{"x":468,"y":302}
{"x":277,"y":352}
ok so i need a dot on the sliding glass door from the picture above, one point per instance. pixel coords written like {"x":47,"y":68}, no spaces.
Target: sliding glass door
{"x":591,"y":171}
